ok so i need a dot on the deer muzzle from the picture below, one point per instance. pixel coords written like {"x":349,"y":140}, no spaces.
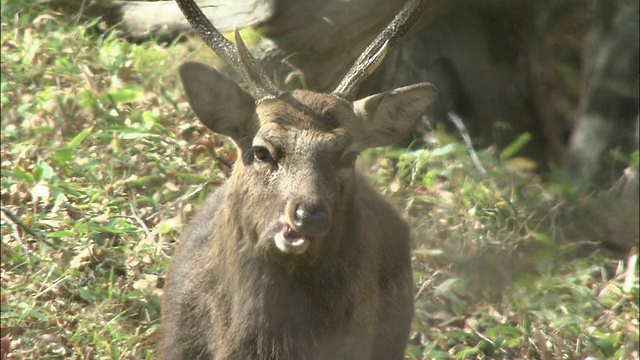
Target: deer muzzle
{"x":310,"y":222}
{"x":302,"y":223}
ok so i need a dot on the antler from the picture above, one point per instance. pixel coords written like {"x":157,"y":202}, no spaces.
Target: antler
{"x":240,"y":59}
{"x":373,"y":55}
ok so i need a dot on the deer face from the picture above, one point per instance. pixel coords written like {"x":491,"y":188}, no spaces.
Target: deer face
{"x":298,"y":151}
{"x":303,"y":154}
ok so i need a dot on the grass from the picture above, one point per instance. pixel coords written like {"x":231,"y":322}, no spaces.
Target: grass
{"x":102,"y":162}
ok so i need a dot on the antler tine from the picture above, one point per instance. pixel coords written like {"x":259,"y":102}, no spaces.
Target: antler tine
{"x":373,"y":55}
{"x":254,"y":71}
{"x":240,"y":59}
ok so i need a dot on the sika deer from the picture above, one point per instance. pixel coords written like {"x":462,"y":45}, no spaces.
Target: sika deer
{"x":297,"y":256}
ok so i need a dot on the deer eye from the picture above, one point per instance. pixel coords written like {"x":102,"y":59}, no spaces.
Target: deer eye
{"x":261,"y":154}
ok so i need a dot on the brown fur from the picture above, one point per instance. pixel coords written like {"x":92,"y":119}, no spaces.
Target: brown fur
{"x":232,"y":294}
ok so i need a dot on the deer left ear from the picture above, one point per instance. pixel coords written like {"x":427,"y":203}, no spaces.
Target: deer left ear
{"x":219,"y":103}
{"x":387,"y":117}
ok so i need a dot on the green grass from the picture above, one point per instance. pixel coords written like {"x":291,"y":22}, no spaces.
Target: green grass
{"x":103,"y":162}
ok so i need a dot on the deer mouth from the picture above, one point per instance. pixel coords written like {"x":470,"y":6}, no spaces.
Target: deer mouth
{"x":290,"y":241}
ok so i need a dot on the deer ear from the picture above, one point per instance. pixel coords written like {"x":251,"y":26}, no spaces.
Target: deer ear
{"x":388,"y":116}
{"x":219,"y":102}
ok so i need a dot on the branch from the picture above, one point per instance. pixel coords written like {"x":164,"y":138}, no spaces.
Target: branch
{"x":26,"y":228}
{"x":467,"y":141}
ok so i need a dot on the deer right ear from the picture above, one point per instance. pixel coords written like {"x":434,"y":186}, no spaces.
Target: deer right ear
{"x":389,"y":116}
{"x":218,"y":102}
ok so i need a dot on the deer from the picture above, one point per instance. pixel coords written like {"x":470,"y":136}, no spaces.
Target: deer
{"x":297,"y":255}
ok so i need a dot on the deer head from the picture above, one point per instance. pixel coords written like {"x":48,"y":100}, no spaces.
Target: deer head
{"x":298,"y":149}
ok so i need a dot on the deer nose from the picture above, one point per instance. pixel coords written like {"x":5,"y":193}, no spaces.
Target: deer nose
{"x":311,"y":222}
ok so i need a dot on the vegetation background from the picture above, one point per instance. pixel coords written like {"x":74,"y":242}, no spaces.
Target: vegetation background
{"x":103,"y":162}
